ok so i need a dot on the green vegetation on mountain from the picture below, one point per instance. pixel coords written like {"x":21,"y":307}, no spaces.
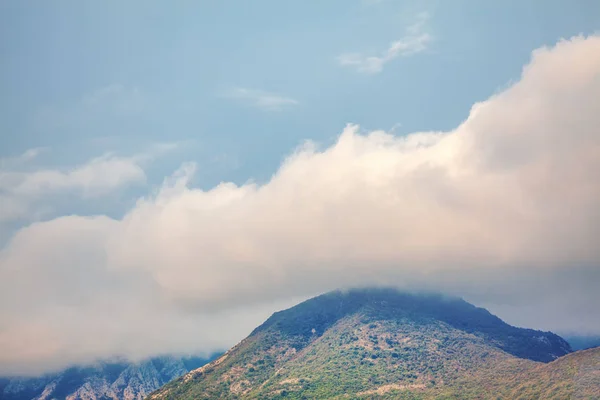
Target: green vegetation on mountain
{"x":380,"y":343}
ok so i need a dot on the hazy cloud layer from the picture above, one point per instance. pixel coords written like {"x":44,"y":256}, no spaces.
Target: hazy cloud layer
{"x":503,"y":210}
{"x":415,"y":41}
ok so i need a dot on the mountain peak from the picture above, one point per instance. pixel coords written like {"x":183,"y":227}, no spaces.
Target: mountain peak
{"x":313,"y":317}
{"x":373,"y":343}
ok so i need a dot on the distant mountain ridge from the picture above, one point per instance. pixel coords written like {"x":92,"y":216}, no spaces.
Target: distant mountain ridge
{"x":381,"y":343}
{"x":583,"y":342}
{"x":101,"y":381}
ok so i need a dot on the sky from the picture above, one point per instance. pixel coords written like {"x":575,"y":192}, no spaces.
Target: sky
{"x":173,"y":173}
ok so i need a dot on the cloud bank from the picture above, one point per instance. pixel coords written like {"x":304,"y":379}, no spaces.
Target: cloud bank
{"x":503,"y":210}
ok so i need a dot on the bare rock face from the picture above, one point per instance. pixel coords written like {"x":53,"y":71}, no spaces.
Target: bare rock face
{"x":102,"y":381}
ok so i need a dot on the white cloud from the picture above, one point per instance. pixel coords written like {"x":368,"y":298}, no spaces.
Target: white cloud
{"x":25,"y":157}
{"x":504,"y":210}
{"x":76,"y":309}
{"x":415,"y":41}
{"x":260,"y":99}
{"x":24,"y":186}
{"x":25,"y":195}
{"x":97,"y":177}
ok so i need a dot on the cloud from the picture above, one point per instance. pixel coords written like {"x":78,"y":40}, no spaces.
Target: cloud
{"x":415,"y":41}
{"x":264,"y":100}
{"x":11,"y":208}
{"x":27,"y":195}
{"x":25,"y":157}
{"x":24,"y":186}
{"x":502,"y":210}
{"x":97,"y":177}
{"x":78,"y":310}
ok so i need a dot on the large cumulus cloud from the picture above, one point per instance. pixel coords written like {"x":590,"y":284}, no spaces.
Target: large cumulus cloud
{"x":504,"y":210}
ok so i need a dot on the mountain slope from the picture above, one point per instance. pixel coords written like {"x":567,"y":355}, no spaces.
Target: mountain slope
{"x":574,"y":376}
{"x":376,"y":343}
{"x":104,"y":380}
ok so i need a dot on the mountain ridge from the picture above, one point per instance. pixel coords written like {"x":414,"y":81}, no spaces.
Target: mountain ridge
{"x":382,"y":343}
{"x":103,"y":380}
{"x":434,"y":305}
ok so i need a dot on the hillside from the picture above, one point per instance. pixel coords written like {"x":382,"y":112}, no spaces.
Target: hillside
{"x":103,"y":380}
{"x":576,"y":375}
{"x":380,"y":343}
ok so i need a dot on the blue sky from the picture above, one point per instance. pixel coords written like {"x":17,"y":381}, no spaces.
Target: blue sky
{"x":170,"y":66}
{"x":187,"y":168}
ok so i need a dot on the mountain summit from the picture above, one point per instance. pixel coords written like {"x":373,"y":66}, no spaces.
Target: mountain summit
{"x":382,"y":343}
{"x":323,"y":311}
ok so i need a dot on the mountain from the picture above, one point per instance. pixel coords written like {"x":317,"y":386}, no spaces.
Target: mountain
{"x":381,"y":343}
{"x":101,"y":381}
{"x":574,"y":376}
